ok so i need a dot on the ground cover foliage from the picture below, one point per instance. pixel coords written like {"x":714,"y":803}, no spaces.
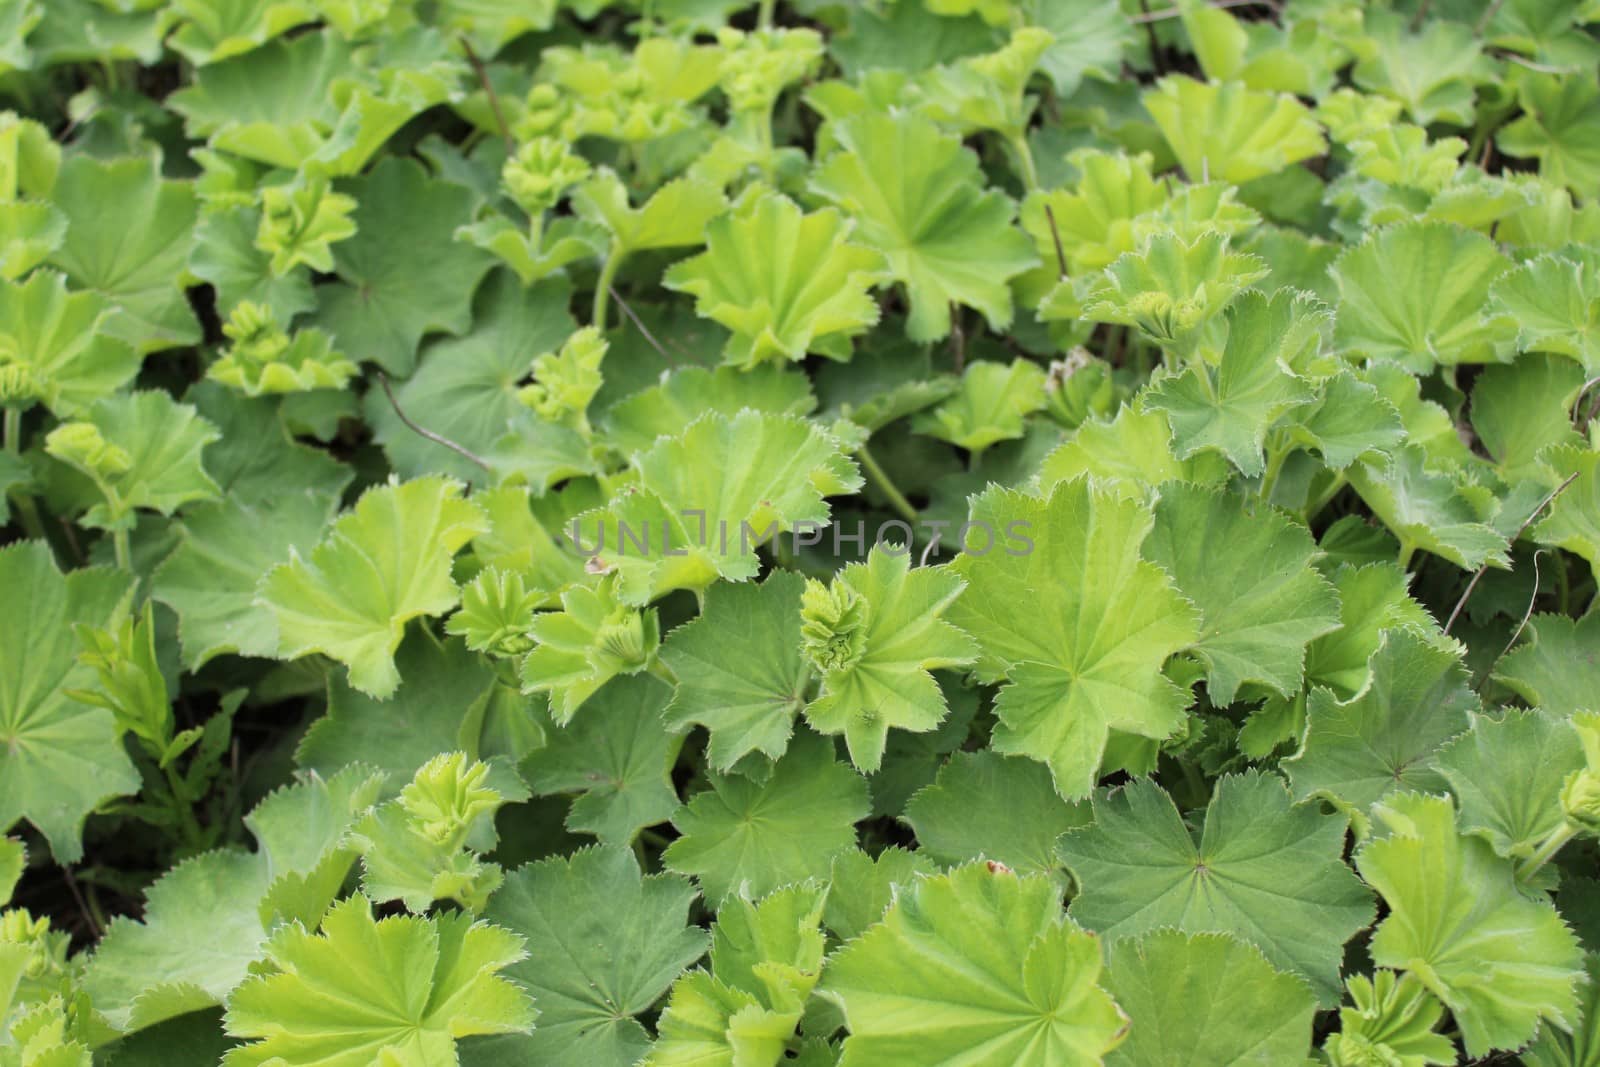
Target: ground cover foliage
{"x":984,"y":532}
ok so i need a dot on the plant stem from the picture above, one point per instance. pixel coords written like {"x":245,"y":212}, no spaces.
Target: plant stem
{"x":1024,"y":154}
{"x":602,"y":288}
{"x":765,"y":13}
{"x":119,"y":547}
{"x":662,"y":671}
{"x":13,"y":431}
{"x":1269,"y":480}
{"x":192,"y":834}
{"x":1407,"y":549}
{"x":885,"y":484}
{"x":1546,"y":851}
{"x":1326,"y":497}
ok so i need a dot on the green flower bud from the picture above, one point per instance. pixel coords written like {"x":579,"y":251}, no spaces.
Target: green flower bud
{"x":833,"y":625}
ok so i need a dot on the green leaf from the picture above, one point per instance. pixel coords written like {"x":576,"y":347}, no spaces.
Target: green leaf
{"x":1558,"y":667}
{"x":13,"y":861}
{"x":708,"y":497}
{"x":404,"y":273}
{"x":1258,"y":380}
{"x":1096,"y":219}
{"x":1432,"y":71}
{"x":918,"y":198}
{"x":59,"y":759}
{"x":675,"y":215}
{"x":1573,"y":520}
{"x":465,"y":389}
{"x":1228,"y":132}
{"x":1088,"y":660}
{"x":264,"y":359}
{"x":991,"y":405}
{"x":1388,"y":735}
{"x":1256,"y":1014}
{"x":255,"y":460}
{"x":617,"y":756}
{"x":447,"y":704}
{"x":143,"y":451}
{"x":383,"y":563}
{"x":1130,"y":455}
{"x":593,"y":638}
{"x":1507,"y":776}
{"x":399,"y":990}
{"x":1500,"y":961}
{"x":816,"y":299}
{"x":145,"y":972}
{"x":1558,"y":126}
{"x":1262,"y":869}
{"x":1555,"y":300}
{"x":213,"y":30}
{"x":740,"y":671}
{"x":29,"y":233}
{"x":604,"y":944}
{"x":1261,"y":602}
{"x":1417,"y":293}
{"x":1427,"y":510}
{"x":740,"y":836}
{"x":666,"y":408}
{"x":1351,"y":421}
{"x":53,"y":350}
{"x":862,"y":887}
{"x":970,"y":813}
{"x":1090,"y":38}
{"x":129,"y":233}
{"x":1520,"y":410}
{"x":896,"y":636}
{"x":1170,"y":288}
{"x":226,"y":257}
{"x":974,"y":966}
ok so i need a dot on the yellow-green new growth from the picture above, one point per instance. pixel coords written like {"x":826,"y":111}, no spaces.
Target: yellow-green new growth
{"x":541,"y":172}
{"x":448,"y":796}
{"x":833,"y":625}
{"x":565,"y":381}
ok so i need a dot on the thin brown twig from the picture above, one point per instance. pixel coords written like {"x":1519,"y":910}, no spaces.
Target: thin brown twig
{"x":83,"y":905}
{"x":1476,"y":578}
{"x":438,"y":439}
{"x":1055,"y":235}
{"x":640,"y":326}
{"x":1577,"y":402}
{"x":494,"y":98}
{"x":1150,"y":32}
{"x":1526,"y":615}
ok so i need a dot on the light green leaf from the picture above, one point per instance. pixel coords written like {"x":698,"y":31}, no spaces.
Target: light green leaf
{"x":29,"y":232}
{"x":1171,"y":288}
{"x":1090,"y":38}
{"x":1262,"y":869}
{"x":1255,"y":1013}
{"x":383,"y":563}
{"x":1558,"y":667}
{"x":918,"y":198}
{"x":1261,"y":602}
{"x":264,"y":360}
{"x":404,"y":273}
{"x":894,"y":636}
{"x":59,"y":759}
{"x":740,"y":671}
{"x":708,"y":497}
{"x":675,"y":215}
{"x":213,"y":30}
{"x":1351,"y":421}
{"x":604,"y":945}
{"x":593,"y":638}
{"x":1507,"y":776}
{"x":617,"y":756}
{"x":1417,"y":293}
{"x":1427,"y":510}
{"x":211,"y":579}
{"x":740,"y":836}
{"x":1573,"y":521}
{"x":1388,"y":736}
{"x":1088,"y":659}
{"x":53,"y":348}
{"x":399,"y":990}
{"x":1096,"y":219}
{"x":226,"y":257}
{"x":1559,"y":124}
{"x":815,"y":299}
{"x":1520,"y":410}
{"x":142,"y":450}
{"x":862,"y":887}
{"x":683,"y":395}
{"x":975,"y":966}
{"x":970,"y":813}
{"x":991,"y":405}
{"x":1228,"y":132}
{"x":1230,"y":408}
{"x":1556,"y":302}
{"x":1500,"y":961}
{"x":1432,"y":70}
{"x":1130,"y":455}
{"x":129,"y":232}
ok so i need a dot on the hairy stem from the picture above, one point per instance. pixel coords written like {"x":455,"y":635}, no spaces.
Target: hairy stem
{"x":885,"y":484}
{"x":602,"y":288}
